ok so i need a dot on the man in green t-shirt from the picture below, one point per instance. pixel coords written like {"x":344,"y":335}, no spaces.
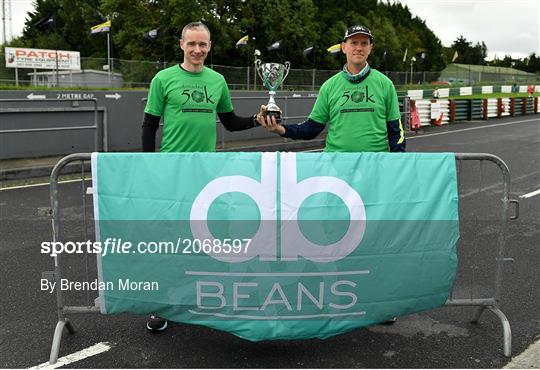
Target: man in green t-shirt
{"x":188,"y":96}
{"x":359,"y":103}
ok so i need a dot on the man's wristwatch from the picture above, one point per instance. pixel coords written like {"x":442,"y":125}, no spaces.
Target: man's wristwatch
{"x":255,"y":122}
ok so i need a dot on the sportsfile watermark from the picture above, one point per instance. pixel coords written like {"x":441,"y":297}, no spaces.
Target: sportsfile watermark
{"x":118,"y":246}
{"x":239,"y":271}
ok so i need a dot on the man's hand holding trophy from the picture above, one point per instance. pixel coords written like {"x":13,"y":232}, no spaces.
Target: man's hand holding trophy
{"x":272,"y":76}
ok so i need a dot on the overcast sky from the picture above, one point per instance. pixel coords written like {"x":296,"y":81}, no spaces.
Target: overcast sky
{"x":506,"y":26}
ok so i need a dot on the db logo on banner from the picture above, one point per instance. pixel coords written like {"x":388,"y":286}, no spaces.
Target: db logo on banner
{"x":294,"y":243}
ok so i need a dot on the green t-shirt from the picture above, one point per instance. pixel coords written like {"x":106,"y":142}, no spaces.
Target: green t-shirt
{"x":357,"y":112}
{"x":188,"y":103}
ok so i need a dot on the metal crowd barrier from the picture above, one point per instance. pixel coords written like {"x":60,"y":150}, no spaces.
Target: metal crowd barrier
{"x":94,"y":126}
{"x":469,"y":284}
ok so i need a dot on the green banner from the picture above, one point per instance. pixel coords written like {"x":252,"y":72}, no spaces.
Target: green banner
{"x":275,"y":245}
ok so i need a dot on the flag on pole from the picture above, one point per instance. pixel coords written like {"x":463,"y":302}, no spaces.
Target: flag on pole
{"x":309,"y":50}
{"x":405,"y":55}
{"x":275,"y":46}
{"x":455,"y":56}
{"x":334,"y":49}
{"x":103,"y":27}
{"x":46,"y":23}
{"x":153,"y":35}
{"x":242,"y":42}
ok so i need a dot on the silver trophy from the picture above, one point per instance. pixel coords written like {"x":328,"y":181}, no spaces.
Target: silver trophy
{"x":272,"y":75}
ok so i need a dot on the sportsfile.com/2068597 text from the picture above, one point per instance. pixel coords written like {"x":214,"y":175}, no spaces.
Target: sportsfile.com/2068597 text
{"x":117,"y":246}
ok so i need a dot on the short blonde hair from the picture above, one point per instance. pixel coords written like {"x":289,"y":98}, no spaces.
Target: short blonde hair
{"x":193,"y":25}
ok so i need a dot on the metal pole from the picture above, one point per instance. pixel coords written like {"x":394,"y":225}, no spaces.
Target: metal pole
{"x":112,"y":54}
{"x":57,"y":79}
{"x":248,"y":68}
{"x":254,"y":78}
{"x":313,"y":80}
{"x":411,"y":71}
{"x":4,"y":38}
{"x":109,"y":55}
{"x":17,"y":76}
{"x":406,"y":112}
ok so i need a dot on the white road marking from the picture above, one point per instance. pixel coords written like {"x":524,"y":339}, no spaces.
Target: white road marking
{"x":77,"y":356}
{"x":40,"y":184}
{"x":528,"y":359}
{"x":497,"y":184}
{"x":473,"y":128}
{"x":453,"y":131}
{"x":531,"y":194}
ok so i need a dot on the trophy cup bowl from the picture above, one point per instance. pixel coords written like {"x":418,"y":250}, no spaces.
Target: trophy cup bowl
{"x":272,"y":76}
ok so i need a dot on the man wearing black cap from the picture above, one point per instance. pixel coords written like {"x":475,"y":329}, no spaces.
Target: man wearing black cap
{"x":359,"y":103}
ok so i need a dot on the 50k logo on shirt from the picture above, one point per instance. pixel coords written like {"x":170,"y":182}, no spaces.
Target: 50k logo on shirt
{"x":197,"y":96}
{"x":358,"y":95}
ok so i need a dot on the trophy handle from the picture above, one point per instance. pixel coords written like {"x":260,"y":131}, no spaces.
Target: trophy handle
{"x":258,"y":68}
{"x":287,"y":69}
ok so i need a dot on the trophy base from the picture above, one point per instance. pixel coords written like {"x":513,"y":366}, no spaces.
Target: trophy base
{"x":276,"y":114}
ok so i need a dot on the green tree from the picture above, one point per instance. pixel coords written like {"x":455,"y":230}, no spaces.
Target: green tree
{"x":71,"y":29}
{"x":299,"y":23}
{"x":530,"y":64}
{"x":267,"y":21}
{"x":469,"y":54}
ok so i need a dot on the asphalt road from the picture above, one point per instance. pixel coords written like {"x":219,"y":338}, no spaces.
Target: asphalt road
{"x":442,"y":338}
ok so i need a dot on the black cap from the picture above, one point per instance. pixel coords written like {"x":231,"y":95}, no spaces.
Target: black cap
{"x":357,"y":30}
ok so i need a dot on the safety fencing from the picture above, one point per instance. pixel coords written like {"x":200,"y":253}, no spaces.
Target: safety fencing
{"x":14,"y":126}
{"x":139,"y":73}
{"x":478,"y":282}
{"x":444,"y":111}
{"x":464,"y":91}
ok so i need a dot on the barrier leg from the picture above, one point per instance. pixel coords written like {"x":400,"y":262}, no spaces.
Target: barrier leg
{"x":479,"y":312}
{"x":55,"y":348}
{"x":507,"y":332}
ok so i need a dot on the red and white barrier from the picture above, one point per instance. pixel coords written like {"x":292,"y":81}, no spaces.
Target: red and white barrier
{"x":491,"y":108}
{"x":506,"y":107}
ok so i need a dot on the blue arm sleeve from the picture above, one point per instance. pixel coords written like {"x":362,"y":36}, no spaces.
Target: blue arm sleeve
{"x":396,"y":136}
{"x":305,"y":131}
